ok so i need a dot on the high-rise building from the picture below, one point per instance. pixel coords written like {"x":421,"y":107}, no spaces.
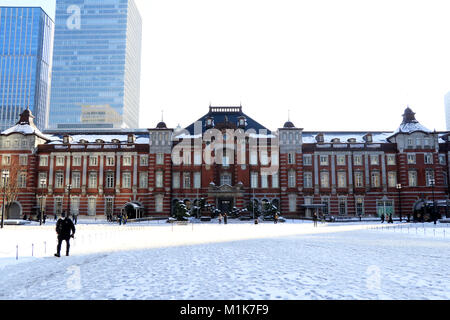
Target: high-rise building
{"x":96,"y":65}
{"x":447,"y":110}
{"x":26,"y":47}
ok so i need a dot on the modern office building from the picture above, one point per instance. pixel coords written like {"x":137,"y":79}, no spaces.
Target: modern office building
{"x":447,"y":110}
{"x":96,"y":64}
{"x":26,"y":46}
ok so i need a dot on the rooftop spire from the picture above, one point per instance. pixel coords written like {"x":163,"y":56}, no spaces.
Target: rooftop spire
{"x":409,"y":116}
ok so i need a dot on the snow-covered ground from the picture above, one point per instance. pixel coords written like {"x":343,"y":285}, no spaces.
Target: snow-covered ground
{"x":208,"y":261}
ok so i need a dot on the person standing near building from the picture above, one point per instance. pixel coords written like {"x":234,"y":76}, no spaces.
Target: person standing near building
{"x":382,"y":218}
{"x":220,"y":218}
{"x":225,"y":218}
{"x":275,"y":218}
{"x":65,"y":230}
{"x":75,"y":218}
{"x":315,"y":219}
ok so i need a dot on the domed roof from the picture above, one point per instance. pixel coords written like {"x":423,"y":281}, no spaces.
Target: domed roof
{"x":289,"y":124}
{"x":161,"y":125}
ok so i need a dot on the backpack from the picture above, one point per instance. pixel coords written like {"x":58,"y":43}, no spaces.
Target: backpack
{"x":59,"y":226}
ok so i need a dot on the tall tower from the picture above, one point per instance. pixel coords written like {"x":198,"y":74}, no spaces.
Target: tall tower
{"x":96,"y":65}
{"x":447,"y":110}
{"x":26,"y":47}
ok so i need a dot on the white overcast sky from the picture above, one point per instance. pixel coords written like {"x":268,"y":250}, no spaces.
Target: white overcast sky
{"x":337,"y":65}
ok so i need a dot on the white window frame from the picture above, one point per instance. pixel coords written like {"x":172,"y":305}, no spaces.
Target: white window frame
{"x":357,"y":160}
{"x":76,"y":179}
{"x":275,"y":180}
{"x":341,"y":179}
{"x":176,"y":180}
{"x":23,"y":160}
{"x":411,"y":158}
{"x":92,"y":206}
{"x":428,"y":158}
{"x":412,"y":178}
{"x":159,"y":179}
{"x":308,"y":180}
{"x":197,"y":180}
{"x":186,"y":180}
{"x":93,"y":180}
{"x":143,"y":161}
{"x":307,"y":160}
{"x":264,"y":181}
{"x":392,"y":179}
{"x":93,"y":161}
{"x":76,"y":161}
{"x":375,"y":181}
{"x":340,"y":160}
{"x":127,"y":161}
{"x":59,"y":180}
{"x":292,"y":179}
{"x":160,"y":158}
{"x":374,"y":160}
{"x":110,"y":161}
{"x":109,"y":180}
{"x":126,"y":180}
{"x":60,"y":161}
{"x":390,"y":159}
{"x":324,"y":179}
{"x":143,"y":180}
{"x":254,"y":180}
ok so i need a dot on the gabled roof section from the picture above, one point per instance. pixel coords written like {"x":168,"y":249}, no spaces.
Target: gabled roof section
{"x":410,"y":124}
{"x":26,"y":126}
{"x":227,"y":117}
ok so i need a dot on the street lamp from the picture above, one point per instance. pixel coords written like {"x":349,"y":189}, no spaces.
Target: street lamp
{"x":5,"y":176}
{"x":432,"y":183}
{"x":42,"y":201}
{"x":253,"y":206}
{"x":69,"y":187}
{"x":399,"y":188}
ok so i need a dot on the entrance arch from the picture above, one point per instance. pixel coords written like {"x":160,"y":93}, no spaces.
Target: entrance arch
{"x":133,"y":210}
{"x":14,"y":211}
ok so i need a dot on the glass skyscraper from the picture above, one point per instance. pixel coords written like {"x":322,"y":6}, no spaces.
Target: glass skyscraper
{"x":26,"y":45}
{"x":96,"y":65}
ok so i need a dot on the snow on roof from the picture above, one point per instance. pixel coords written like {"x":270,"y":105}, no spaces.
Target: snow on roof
{"x":411,"y":127}
{"x":92,"y":138}
{"x":377,"y":137}
{"x":25,"y":129}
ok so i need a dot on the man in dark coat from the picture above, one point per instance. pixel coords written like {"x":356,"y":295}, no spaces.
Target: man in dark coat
{"x":225,"y":218}
{"x":65,"y":230}
{"x":382,"y":218}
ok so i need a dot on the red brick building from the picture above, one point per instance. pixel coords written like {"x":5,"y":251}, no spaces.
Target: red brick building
{"x":228,"y":159}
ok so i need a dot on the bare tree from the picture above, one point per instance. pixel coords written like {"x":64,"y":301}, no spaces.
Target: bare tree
{"x":10,"y":190}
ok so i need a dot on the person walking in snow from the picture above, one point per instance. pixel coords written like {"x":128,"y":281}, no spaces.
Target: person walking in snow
{"x":220,"y":218}
{"x":119,"y":217}
{"x":382,"y":218}
{"x":275,"y":218}
{"x":65,"y":230}
{"x":225,"y":218}
{"x":390,"y":219}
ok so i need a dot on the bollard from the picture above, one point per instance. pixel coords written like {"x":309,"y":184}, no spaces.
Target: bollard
{"x":45,"y":247}
{"x":32,"y":249}
{"x":17,"y":252}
